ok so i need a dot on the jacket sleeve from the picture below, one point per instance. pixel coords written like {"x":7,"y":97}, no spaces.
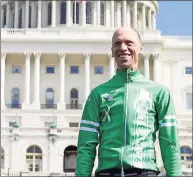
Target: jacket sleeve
{"x":168,"y":133}
{"x":88,"y":137}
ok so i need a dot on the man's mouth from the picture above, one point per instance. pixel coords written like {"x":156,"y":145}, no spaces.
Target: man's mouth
{"x":124,"y":55}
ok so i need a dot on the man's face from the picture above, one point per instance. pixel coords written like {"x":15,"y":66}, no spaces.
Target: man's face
{"x":126,"y":48}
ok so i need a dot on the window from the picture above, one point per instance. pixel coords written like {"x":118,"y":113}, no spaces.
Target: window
{"x":76,"y":15}
{"x":186,"y":154}
{"x":30,"y":16}
{"x":102,"y":13}
{"x":188,"y":70}
{"x":98,"y":69}
{"x":73,"y":124}
{"x":74,"y":69}
{"x":121,"y":16}
{"x":15,"y":98}
{"x":16,"y":69}
{"x":49,"y":98}
{"x":88,"y":13}
{"x":2,"y":158}
{"x":13,"y":124}
{"x":189,"y":100}
{"x":74,"y":98}
{"x":49,"y":13}
{"x":70,"y":159}
{"x":63,"y":13}
{"x":34,"y":159}
{"x":49,"y":69}
{"x":4,"y":17}
{"x":20,"y":18}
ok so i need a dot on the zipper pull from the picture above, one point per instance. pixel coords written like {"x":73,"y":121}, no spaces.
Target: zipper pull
{"x":122,"y":172}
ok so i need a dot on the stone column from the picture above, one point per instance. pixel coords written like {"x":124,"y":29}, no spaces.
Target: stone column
{"x":27,"y":14}
{"x":143,"y":18}
{"x":3,"y":58}
{"x":26,"y":102}
{"x":112,"y":14}
{"x":8,"y":15}
{"x":154,"y":21}
{"x":39,"y":24}
{"x":53,"y":14}
{"x":124,"y":12}
{"x":128,"y":16}
{"x":108,"y":14}
{"x":149,"y":19}
{"x":111,"y":66}
{"x":16,"y":15}
{"x":83,"y":13}
{"x":87,"y":75}
{"x":135,"y":14}
{"x":118,"y":14}
{"x":33,"y":14}
{"x":2,"y":17}
{"x":61,"y":104}
{"x":156,"y":71}
{"x":94,"y":18}
{"x":36,"y":101}
{"x":98,"y":3}
{"x":146,"y":65}
{"x":68,"y":13}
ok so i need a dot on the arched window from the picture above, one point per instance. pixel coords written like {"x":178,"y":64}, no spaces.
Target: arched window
{"x":74,"y":98}
{"x":15,"y":98}
{"x":49,"y":98}
{"x":89,"y":9}
{"x":63,"y":13}
{"x":2,"y":158}
{"x":70,"y":159}
{"x":102,"y":13}
{"x":49,"y":13}
{"x":34,"y":159}
{"x":76,"y":12}
{"x":20,"y":18}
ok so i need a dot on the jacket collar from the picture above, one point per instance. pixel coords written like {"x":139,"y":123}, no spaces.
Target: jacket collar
{"x":128,"y":75}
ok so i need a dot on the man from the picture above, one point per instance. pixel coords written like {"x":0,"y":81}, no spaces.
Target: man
{"x":126,"y":112}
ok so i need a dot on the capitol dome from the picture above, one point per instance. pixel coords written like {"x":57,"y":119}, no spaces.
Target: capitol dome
{"x":140,"y":15}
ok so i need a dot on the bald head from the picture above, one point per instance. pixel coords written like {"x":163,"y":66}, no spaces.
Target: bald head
{"x":124,"y":30}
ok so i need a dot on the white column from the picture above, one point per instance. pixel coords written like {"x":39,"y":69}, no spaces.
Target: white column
{"x":26,"y":14}
{"x":16,"y":15}
{"x":111,"y":66}
{"x":112,"y":14}
{"x":3,"y":58}
{"x":154,"y":21}
{"x":27,"y":80}
{"x":94,"y":18}
{"x":128,"y":16}
{"x":61,"y":104}
{"x":68,"y":13}
{"x":108,"y":14}
{"x":143,"y":17}
{"x":53,"y":14}
{"x":36,"y":90}
{"x":87,"y":75}
{"x":8,"y":15}
{"x":33,"y":14}
{"x":39,"y":24}
{"x":124,"y":12}
{"x":52,"y":153}
{"x":149,"y":19}
{"x":2,"y":17}
{"x":156,"y":68}
{"x":118,"y":14}
{"x":83,"y":13}
{"x":98,"y":12}
{"x":135,"y":14}
{"x":146,"y":65}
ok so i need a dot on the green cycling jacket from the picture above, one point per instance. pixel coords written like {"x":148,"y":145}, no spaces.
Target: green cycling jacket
{"x":123,"y":116}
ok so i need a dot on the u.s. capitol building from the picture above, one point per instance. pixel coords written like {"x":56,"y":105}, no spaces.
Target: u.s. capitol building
{"x":53,"y":53}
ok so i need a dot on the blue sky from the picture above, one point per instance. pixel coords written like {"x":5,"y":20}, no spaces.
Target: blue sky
{"x":175,"y":18}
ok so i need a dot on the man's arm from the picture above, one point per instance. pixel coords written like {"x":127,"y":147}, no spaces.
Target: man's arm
{"x":168,"y":133}
{"x":88,"y":137}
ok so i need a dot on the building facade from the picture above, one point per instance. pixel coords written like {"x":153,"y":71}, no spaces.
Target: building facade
{"x":53,"y":53}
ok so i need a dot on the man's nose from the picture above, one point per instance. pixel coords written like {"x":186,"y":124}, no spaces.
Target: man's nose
{"x":123,"y":46}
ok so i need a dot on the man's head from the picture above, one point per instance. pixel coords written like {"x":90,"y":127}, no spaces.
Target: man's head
{"x":126,"y":47}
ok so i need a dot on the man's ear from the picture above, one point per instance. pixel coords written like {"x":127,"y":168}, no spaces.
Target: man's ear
{"x":141,"y":49}
{"x":112,"y":52}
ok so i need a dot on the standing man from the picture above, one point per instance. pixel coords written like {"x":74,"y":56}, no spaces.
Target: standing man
{"x":123,"y":116}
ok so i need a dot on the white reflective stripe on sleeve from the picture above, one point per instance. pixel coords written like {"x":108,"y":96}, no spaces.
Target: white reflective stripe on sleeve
{"x":90,"y":123}
{"x":169,"y":124}
{"x":169,"y":117}
{"x":88,"y":129}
